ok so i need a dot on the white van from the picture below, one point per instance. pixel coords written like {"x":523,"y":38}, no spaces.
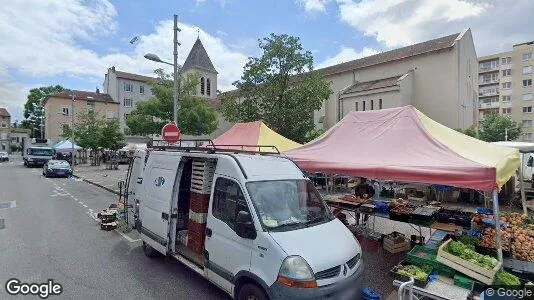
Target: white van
{"x":266,"y":232}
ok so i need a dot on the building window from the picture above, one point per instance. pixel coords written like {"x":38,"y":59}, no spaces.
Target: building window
{"x":506,"y":85}
{"x":65,"y":111}
{"x":126,"y":116}
{"x":356,"y":106}
{"x":506,"y":60}
{"x":379,"y":103}
{"x":507,"y":72}
{"x":526,"y":56}
{"x":488,"y":65}
{"x":65,"y":128}
{"x":527,"y":97}
{"x":208,"y":87}
{"x":110,"y":115}
{"x":527,"y":109}
{"x":527,"y":70}
{"x":527,"y":136}
{"x":363,"y":105}
{"x":372,"y":104}
{"x":228,"y":201}
{"x":526,"y":123}
{"x":202,"y":85}
{"x":486,"y":78}
{"x":127,"y":102}
{"x":506,"y":111}
{"x":527,"y":82}
{"x":506,"y":98}
{"x":128,"y":87}
{"x":141,"y":89}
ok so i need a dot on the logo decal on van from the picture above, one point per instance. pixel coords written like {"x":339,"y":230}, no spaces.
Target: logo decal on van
{"x":159,"y":181}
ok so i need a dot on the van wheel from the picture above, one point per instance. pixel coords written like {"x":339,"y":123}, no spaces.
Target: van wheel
{"x":149,"y":251}
{"x":251,"y":292}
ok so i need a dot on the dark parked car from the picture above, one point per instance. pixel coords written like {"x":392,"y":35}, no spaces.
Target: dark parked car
{"x":4,"y":156}
{"x":57,"y":168}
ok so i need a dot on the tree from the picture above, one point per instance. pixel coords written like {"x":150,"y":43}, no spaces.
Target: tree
{"x":111,"y":136}
{"x":33,"y":111}
{"x":195,"y":117}
{"x":280,"y":88}
{"x":493,"y":127}
{"x":88,"y":130}
{"x":470,"y":131}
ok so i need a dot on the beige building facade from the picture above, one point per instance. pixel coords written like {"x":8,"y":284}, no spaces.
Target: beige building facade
{"x":5,"y":130}
{"x":59,"y":110}
{"x":438,"y":77}
{"x":506,"y":86}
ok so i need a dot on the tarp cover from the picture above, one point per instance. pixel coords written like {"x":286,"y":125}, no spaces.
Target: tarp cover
{"x":65,"y":145}
{"x":402,"y":144}
{"x":254,"y":133}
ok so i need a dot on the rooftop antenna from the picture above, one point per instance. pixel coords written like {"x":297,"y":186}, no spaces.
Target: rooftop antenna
{"x":198,"y":33}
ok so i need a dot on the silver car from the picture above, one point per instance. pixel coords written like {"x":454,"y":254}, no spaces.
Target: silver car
{"x":57,"y":168}
{"x":4,"y":156}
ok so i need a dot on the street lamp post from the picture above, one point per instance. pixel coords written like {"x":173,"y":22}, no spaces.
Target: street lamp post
{"x":154,"y":57}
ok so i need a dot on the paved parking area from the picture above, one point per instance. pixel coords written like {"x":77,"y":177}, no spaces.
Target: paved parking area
{"x":100,"y":176}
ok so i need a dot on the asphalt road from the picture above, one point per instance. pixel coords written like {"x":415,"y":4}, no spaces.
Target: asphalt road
{"x":50,"y":233}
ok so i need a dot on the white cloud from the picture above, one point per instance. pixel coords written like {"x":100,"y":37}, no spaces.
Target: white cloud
{"x":402,"y":22}
{"x":41,"y":39}
{"x":346,"y":54}
{"x":312,"y":6}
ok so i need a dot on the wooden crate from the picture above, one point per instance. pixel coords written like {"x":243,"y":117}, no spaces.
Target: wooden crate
{"x":394,"y":247}
{"x":466,"y":267}
{"x":202,"y":176}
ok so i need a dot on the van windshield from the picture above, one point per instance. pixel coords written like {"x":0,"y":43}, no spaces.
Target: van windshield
{"x":41,"y":151}
{"x":284,"y":205}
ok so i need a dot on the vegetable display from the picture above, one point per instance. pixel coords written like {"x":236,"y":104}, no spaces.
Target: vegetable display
{"x":413,"y":271}
{"x":507,"y":279}
{"x":522,"y":247}
{"x":468,"y":253}
{"x":488,"y":238}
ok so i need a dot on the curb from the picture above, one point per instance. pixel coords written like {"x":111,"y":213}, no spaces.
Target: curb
{"x":98,"y":185}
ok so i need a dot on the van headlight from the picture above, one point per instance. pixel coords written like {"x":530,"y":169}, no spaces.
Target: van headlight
{"x":295,"y":272}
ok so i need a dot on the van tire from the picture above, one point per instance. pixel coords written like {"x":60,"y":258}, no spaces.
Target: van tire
{"x":251,"y":291}
{"x":149,"y":251}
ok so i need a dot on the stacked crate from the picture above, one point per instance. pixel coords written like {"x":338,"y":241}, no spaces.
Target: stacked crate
{"x":201,"y":181}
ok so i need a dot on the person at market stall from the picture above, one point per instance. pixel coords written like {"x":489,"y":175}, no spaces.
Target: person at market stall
{"x":365,"y":191}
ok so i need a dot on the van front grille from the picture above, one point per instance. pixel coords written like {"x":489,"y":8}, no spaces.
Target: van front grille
{"x":329,"y":273}
{"x":353,"y":261}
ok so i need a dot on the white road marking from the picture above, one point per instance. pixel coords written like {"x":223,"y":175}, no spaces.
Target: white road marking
{"x":92,"y":215}
{"x":84,"y":205}
{"x":129,"y":239}
{"x":80,"y":202}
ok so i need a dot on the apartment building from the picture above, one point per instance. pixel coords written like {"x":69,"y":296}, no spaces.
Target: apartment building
{"x":438,"y":77}
{"x":127,"y":89}
{"x":60,"y":110}
{"x":505,"y":86}
{"x":5,"y":130}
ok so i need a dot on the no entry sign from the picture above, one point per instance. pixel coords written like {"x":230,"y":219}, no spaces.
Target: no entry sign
{"x":170,"y":132}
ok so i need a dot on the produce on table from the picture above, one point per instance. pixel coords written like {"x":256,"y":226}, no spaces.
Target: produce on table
{"x":488,"y":238}
{"x":507,"y":279}
{"x":469,"y":241}
{"x":414,"y":271}
{"x":523,"y":244}
{"x":466,"y":252}
{"x":352,"y":198}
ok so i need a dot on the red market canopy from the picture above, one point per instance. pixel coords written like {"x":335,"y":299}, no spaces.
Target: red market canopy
{"x":402,"y":144}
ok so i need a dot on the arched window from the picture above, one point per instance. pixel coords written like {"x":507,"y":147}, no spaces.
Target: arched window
{"x":202,"y":85}
{"x":208,"y":87}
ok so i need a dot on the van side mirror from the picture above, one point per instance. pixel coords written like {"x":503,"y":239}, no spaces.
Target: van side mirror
{"x":245,"y":226}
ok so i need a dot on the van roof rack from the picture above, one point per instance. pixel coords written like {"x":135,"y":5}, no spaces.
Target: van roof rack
{"x":207,"y":145}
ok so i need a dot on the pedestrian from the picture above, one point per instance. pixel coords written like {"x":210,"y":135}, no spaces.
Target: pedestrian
{"x":365,"y":191}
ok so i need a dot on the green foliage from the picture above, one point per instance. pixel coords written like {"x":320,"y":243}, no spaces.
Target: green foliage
{"x":88,"y":130}
{"x":33,"y":111}
{"x":492,"y":128}
{"x":414,"y":271}
{"x":195,"y":117}
{"x":468,"y":253}
{"x":313,"y":134}
{"x":470,"y":131}
{"x":111,"y":135}
{"x":507,"y":279}
{"x":280,"y":88}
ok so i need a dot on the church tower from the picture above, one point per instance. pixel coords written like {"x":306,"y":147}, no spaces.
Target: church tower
{"x":199,"y":62}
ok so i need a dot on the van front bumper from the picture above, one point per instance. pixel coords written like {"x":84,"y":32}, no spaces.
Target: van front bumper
{"x":349,"y":288}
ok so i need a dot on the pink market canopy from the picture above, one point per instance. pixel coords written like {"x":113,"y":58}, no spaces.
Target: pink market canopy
{"x":402,"y":144}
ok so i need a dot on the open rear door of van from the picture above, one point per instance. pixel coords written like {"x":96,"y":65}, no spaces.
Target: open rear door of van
{"x":155,"y":204}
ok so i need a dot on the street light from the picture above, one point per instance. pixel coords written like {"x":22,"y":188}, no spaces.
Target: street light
{"x":154,"y":57}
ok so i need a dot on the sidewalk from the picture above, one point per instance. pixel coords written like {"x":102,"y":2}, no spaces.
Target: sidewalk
{"x":99,"y":176}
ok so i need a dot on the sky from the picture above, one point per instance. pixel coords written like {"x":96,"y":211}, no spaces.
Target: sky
{"x":73,"y":42}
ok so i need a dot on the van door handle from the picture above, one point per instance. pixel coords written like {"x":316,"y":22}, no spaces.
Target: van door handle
{"x":208,"y":232}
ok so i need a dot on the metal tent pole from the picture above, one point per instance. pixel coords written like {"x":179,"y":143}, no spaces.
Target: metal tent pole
{"x":521,"y":187}
{"x":496,"y":217}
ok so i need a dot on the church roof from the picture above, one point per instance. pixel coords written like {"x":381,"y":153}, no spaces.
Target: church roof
{"x":372,"y":85}
{"x":199,"y":58}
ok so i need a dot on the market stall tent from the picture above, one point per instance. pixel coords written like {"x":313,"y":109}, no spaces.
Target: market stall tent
{"x":251,"y":134}
{"x":402,"y":144}
{"x":65,"y":146}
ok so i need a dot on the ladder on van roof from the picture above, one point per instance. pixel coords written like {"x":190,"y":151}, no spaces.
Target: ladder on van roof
{"x":207,"y":145}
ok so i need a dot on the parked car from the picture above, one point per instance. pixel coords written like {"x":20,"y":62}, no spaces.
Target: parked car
{"x":57,"y":168}
{"x":4,"y":156}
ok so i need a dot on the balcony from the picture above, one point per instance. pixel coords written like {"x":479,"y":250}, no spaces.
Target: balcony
{"x":486,"y":105}
{"x":492,"y":81}
{"x":488,"y":69}
{"x":488,"y":92}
